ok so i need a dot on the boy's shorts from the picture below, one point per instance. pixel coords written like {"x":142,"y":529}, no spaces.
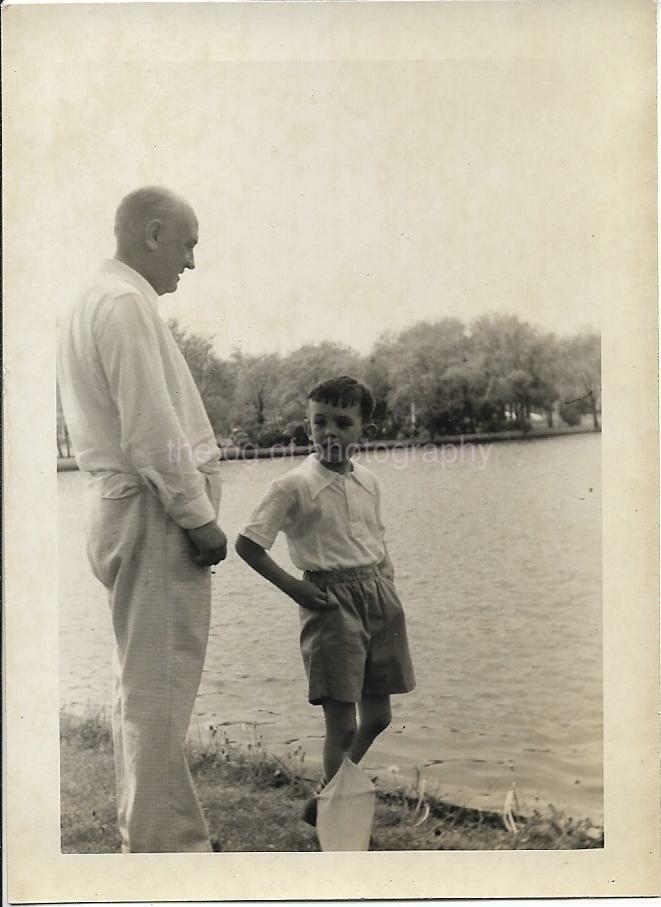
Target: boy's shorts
{"x":358,"y":648}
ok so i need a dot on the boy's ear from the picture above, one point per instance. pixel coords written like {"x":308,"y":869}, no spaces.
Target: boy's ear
{"x":307,"y":427}
{"x":369,"y":431}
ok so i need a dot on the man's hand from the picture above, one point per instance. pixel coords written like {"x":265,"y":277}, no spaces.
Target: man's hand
{"x":210,"y":542}
{"x":307,"y":595}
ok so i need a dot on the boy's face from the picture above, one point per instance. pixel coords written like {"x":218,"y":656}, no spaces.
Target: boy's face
{"x":335,"y":430}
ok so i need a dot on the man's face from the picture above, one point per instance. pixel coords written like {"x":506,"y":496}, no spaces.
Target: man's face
{"x":177,"y":238}
{"x":335,"y":430}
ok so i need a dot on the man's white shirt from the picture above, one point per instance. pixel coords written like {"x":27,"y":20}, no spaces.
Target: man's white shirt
{"x":134,"y":413}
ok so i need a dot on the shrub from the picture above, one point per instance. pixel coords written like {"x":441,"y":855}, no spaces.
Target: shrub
{"x":570,"y":413}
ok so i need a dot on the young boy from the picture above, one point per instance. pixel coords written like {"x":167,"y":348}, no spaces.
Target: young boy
{"x":353,"y":632}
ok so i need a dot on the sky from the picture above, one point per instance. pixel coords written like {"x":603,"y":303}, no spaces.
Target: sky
{"x":338,"y":198}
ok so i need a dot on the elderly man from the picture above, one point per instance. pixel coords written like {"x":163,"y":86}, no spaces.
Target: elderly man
{"x":141,"y":432}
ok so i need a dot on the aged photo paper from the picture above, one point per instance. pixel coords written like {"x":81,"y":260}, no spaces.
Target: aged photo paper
{"x":92,"y":94}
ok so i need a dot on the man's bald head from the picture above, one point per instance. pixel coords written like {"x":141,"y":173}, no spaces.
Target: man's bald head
{"x":142,"y":205}
{"x":156,"y":231}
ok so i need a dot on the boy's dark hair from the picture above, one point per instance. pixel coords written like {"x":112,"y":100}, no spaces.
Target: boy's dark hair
{"x":345,"y":391}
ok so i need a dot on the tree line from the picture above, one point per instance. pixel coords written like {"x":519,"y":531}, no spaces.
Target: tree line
{"x":436,"y":378}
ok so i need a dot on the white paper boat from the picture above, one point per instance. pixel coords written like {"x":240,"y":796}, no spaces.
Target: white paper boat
{"x":345,"y":810}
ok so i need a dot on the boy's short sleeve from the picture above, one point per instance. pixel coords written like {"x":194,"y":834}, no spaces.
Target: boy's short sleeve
{"x":270,"y":517}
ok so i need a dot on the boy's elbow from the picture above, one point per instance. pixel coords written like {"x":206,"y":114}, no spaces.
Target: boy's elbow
{"x":245,"y":548}
{"x":240,"y":546}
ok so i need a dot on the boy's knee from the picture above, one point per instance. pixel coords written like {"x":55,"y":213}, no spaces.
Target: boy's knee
{"x":378,"y":723}
{"x":347,"y":735}
{"x":344,"y":733}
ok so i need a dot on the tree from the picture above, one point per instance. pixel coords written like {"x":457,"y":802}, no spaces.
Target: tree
{"x":255,"y":410}
{"x":580,"y":361}
{"x":215,"y":378}
{"x":308,"y":366}
{"x":544,"y":367}
{"x":377,"y":367}
{"x":420,"y":357}
{"x":518,"y":362}
{"x":463,"y":389}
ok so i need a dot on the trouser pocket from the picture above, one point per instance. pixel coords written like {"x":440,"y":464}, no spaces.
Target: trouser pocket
{"x":113,"y":527}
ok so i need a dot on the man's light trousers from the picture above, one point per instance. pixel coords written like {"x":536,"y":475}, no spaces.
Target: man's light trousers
{"x":160,"y":601}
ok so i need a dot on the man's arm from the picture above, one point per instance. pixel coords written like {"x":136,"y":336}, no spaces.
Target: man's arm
{"x":151,"y":435}
{"x":305,"y":594}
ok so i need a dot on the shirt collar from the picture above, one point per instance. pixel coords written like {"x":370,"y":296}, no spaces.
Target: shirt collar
{"x":319,"y":477}
{"x":113,"y":266}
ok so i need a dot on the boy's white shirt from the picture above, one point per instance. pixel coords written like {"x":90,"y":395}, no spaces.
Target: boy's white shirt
{"x":331,"y":521}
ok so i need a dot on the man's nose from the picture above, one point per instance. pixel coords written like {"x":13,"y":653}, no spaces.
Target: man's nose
{"x":190,"y":261}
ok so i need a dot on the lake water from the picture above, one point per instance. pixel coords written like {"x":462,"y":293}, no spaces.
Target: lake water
{"x":498,"y":557}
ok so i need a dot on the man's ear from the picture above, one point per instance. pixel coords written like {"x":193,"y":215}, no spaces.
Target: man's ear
{"x":152,"y":233}
{"x":369,"y":431}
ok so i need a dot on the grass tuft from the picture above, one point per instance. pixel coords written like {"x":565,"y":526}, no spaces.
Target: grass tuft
{"x":91,"y":732}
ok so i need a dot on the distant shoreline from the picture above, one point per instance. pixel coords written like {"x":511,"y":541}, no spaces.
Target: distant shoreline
{"x":68,"y":464}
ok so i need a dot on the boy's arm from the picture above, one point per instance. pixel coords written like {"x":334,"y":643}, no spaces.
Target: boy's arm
{"x":305,"y":594}
{"x":386,"y":566}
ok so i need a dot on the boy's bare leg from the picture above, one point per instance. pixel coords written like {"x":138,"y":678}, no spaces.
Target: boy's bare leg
{"x":374,"y":716}
{"x":340,"y":718}
{"x":343,"y":737}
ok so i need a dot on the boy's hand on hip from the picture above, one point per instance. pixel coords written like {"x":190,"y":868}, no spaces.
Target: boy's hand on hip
{"x":307,"y":595}
{"x":210,"y":542}
{"x":386,"y":568}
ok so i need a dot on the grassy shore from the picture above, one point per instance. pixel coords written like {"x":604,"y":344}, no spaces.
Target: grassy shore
{"x":253,"y":802}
